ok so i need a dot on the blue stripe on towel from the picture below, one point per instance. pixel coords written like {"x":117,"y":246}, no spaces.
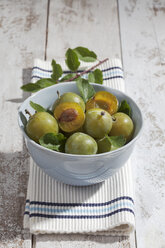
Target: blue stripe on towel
{"x":79,"y":216}
{"x":103,"y":78}
{"x":109,"y":73}
{"x":112,"y":77}
{"x":50,"y":71}
{"x":80,"y":211}
{"x":80,"y":204}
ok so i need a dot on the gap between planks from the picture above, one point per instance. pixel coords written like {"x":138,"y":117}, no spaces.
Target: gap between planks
{"x":47,"y":28}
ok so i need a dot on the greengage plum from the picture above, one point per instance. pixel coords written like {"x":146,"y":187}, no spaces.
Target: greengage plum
{"x":81,"y":143}
{"x":98,"y":122}
{"x":69,"y":97}
{"x":122,"y":125}
{"x":40,"y":124}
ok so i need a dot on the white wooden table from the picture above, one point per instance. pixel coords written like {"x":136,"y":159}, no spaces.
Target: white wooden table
{"x":132,"y":30}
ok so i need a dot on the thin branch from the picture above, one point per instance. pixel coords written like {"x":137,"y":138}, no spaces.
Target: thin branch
{"x":86,"y":71}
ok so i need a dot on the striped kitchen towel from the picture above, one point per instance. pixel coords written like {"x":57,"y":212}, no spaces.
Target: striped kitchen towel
{"x":105,"y":208}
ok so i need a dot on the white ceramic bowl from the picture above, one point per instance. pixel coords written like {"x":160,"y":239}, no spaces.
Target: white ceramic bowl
{"x":78,"y":169}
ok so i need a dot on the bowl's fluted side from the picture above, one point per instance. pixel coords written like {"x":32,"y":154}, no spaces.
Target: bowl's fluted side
{"x":78,"y":170}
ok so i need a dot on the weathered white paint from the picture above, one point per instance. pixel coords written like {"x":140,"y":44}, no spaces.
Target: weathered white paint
{"x":143,"y":46}
{"x":22,"y":38}
{"x":82,"y":241}
{"x":93,"y":24}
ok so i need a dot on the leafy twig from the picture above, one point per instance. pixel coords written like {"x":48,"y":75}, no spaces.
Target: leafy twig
{"x":72,"y":61}
{"x":86,"y":71}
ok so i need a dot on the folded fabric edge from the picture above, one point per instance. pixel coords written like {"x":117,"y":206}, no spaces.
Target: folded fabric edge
{"x":123,"y":229}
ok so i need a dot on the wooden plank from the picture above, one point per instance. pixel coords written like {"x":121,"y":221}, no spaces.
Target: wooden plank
{"x":143,"y":39}
{"x":22,"y":32}
{"x":93,"y":24}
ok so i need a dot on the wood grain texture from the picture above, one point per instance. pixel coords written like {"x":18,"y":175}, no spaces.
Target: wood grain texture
{"x":93,"y":24}
{"x":82,"y":241}
{"x":143,"y":39}
{"x":22,"y":38}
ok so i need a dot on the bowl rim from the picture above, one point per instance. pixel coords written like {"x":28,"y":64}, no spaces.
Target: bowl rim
{"x":115,"y":152}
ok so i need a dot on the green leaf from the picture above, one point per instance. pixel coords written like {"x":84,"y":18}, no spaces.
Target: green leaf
{"x":40,"y":84}
{"x":72,"y":60}
{"x":125,"y":108}
{"x":57,"y":71}
{"x":67,"y":77}
{"x":45,"y":82}
{"x":86,"y":89}
{"x":116,"y":141}
{"x":23,"y":118}
{"x":53,"y":141}
{"x":85,"y":54}
{"x":31,"y":87}
{"x":91,"y":77}
{"x":96,"y":77}
{"x":37,"y":107}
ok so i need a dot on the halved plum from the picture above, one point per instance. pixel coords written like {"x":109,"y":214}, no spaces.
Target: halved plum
{"x":104,"y":100}
{"x":70,"y":116}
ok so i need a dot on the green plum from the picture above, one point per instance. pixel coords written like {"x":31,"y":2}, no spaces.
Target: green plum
{"x":122,"y":125}
{"x":81,"y":143}
{"x":98,"y":122}
{"x":69,"y":97}
{"x":40,"y":124}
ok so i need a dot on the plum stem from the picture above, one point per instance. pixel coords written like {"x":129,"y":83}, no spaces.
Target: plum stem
{"x":58,"y":94}
{"x":27,"y":112}
{"x":101,"y":115}
{"x":86,"y":71}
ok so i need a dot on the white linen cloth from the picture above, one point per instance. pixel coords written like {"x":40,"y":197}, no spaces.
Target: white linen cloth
{"x":105,"y":208}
